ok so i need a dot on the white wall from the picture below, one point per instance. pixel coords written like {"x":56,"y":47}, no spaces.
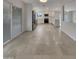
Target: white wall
{"x":68,"y":17}
{"x":69,"y":29}
{"x":17,"y":3}
{"x":20,"y":4}
{"x":27,"y":17}
{"x":68,"y":26}
{"x":74,"y":16}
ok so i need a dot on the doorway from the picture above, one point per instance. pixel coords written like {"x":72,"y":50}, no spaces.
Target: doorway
{"x":46,"y":20}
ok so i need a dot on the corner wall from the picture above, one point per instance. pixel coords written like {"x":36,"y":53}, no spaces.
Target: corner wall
{"x":27,"y":9}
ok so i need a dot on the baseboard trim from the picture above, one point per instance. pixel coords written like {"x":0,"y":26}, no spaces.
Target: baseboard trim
{"x":5,"y":43}
{"x":69,"y":36}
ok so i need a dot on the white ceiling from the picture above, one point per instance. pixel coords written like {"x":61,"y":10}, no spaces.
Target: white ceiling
{"x":54,"y":4}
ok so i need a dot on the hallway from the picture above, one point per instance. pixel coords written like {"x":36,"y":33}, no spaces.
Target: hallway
{"x":45,"y":42}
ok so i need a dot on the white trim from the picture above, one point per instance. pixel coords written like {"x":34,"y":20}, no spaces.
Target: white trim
{"x":12,"y":38}
{"x":6,"y":42}
{"x":11,"y":21}
{"x":16,"y":35}
{"x":69,"y":35}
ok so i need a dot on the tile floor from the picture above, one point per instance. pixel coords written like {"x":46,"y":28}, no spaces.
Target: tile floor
{"x":45,"y":42}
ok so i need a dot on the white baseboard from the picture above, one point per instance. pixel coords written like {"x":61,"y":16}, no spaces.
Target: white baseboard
{"x":6,"y":42}
{"x":12,"y":39}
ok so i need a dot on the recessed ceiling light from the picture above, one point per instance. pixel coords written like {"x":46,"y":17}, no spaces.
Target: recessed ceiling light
{"x":43,"y":1}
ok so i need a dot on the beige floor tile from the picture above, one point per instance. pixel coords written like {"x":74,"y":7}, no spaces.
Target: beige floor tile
{"x":45,"y":42}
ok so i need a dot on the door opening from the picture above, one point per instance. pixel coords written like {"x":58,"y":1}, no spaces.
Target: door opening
{"x":46,"y":20}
